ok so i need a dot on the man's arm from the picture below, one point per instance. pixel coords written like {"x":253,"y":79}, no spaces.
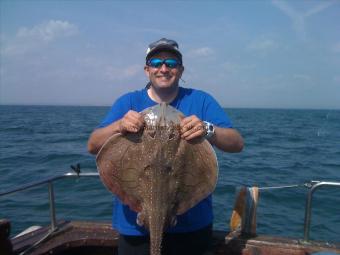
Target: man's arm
{"x":226,"y":139}
{"x":100,"y":135}
{"x":131,"y":122}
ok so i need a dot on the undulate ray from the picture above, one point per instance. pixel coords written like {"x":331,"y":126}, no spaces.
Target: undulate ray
{"x":156,"y":173}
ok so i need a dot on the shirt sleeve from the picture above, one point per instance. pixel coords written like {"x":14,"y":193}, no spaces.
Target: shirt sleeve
{"x":215,"y":114}
{"x":119,"y":108}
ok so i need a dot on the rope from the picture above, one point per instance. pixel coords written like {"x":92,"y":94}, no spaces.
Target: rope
{"x":237,"y":184}
{"x":282,"y":187}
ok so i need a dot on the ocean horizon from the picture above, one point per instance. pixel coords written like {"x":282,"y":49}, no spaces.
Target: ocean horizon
{"x":224,"y":107}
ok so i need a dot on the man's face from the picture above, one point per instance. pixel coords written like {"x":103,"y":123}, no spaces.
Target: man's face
{"x":163,"y":76}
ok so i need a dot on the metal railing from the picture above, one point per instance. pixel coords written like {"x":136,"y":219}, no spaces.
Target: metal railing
{"x":312,"y":186}
{"x":50,"y":181}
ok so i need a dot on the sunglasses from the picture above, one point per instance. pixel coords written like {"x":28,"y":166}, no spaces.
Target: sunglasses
{"x":169,"y":62}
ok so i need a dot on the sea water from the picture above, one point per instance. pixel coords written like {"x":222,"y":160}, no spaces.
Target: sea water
{"x":282,"y":148}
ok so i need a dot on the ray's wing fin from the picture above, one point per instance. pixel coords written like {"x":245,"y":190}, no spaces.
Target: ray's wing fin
{"x":120,"y":163}
{"x":197,"y":170}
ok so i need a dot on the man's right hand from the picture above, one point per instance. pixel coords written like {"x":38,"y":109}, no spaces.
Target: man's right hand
{"x":131,"y":122}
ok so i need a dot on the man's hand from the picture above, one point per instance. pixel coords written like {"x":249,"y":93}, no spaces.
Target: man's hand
{"x":131,"y":122}
{"x":192,"y":127}
{"x":226,"y":139}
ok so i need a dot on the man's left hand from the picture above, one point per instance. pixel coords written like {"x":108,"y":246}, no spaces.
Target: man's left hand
{"x":192,"y":127}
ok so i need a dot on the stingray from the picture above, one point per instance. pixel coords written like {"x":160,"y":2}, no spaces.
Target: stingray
{"x":156,"y":173}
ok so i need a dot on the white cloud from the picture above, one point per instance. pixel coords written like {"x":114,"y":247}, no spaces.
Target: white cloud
{"x":48,"y":31}
{"x":336,"y":79}
{"x":263,"y":45}
{"x":320,"y":7}
{"x":102,"y":68}
{"x":201,"y":52}
{"x":299,"y":18}
{"x":33,"y":38}
{"x":336,"y":47}
{"x":230,"y":67}
{"x":114,"y":73}
{"x":302,"y":77}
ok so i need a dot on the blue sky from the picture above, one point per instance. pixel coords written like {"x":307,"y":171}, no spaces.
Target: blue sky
{"x":277,"y":54}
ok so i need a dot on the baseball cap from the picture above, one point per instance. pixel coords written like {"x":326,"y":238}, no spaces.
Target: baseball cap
{"x":163,"y":45}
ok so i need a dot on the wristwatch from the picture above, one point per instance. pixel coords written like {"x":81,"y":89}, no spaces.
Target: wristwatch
{"x":209,"y":129}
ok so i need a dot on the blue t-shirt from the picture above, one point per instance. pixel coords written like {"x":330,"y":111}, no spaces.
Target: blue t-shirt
{"x":189,"y":102}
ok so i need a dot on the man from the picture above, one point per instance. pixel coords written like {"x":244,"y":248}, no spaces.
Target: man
{"x":204,"y":118}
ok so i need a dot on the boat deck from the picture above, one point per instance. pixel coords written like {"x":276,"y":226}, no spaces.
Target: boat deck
{"x":89,"y":238}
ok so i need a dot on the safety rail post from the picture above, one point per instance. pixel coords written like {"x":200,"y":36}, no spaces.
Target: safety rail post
{"x":313,"y":185}
{"x":52,"y":206}
{"x":49,"y":181}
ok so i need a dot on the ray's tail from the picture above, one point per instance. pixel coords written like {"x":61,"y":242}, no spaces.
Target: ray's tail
{"x":156,"y":235}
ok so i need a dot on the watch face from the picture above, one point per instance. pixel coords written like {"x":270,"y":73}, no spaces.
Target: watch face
{"x":206,"y":127}
{"x":209,"y":129}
